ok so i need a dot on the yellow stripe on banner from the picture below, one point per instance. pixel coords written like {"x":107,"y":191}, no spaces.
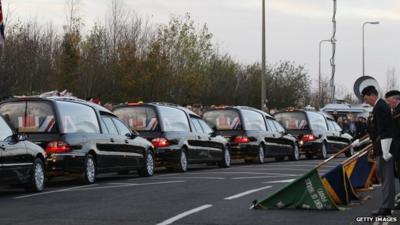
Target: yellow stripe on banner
{"x":363,"y":190}
{"x":349,"y":168}
{"x":331,"y":192}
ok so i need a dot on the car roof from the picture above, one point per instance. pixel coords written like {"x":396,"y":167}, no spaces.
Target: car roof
{"x":306,"y":111}
{"x":241,"y":108}
{"x":296,"y":111}
{"x":156,"y":104}
{"x":348,"y":108}
{"x":56,"y":99}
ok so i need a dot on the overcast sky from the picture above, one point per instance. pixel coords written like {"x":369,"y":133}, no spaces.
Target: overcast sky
{"x":294,"y":29}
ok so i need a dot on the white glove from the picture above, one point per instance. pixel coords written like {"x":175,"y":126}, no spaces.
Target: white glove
{"x":355,"y":143}
{"x":385,"y":144}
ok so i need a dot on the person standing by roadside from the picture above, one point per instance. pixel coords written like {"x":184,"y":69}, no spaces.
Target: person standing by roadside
{"x":340,"y":122}
{"x":362,"y":127}
{"x":381,"y":136}
{"x":393,"y":99}
{"x":346,"y":125}
{"x":352,"y":126}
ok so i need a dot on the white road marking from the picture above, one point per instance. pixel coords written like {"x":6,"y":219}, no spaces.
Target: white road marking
{"x":90,"y":187}
{"x":284,"y":168}
{"x":205,"y":178}
{"x":121,"y":185}
{"x":56,"y":191}
{"x":184,"y":214}
{"x":244,"y":172}
{"x":311,"y":165}
{"x":246,"y":193}
{"x":262,"y":177}
{"x":279,"y":181}
{"x":249,"y":172}
{"x":305,"y":165}
{"x":294,"y":169}
{"x":218,"y":172}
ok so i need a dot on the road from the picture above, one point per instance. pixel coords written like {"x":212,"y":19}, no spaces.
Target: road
{"x":204,"y":195}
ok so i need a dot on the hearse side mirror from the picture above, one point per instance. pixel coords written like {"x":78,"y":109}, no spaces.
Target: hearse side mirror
{"x":19,"y":137}
{"x":22,"y":137}
{"x":132,"y":135}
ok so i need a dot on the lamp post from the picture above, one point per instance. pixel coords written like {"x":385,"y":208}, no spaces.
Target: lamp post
{"x":363,"y":43}
{"x":263,"y":81}
{"x":319,"y":70}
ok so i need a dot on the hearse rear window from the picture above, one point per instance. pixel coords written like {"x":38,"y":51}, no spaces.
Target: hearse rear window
{"x":174,"y":119}
{"x":226,"y":119}
{"x":30,"y":116}
{"x":317,"y":121}
{"x":78,"y":118}
{"x":253,"y":120}
{"x":293,"y":120}
{"x":139,"y":118}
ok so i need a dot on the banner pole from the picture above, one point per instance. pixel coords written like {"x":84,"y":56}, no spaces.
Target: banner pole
{"x":338,"y":153}
{"x":358,"y":154}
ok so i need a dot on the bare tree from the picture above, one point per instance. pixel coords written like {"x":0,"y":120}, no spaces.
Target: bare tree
{"x":72,"y":13}
{"x":321,"y":99}
{"x":127,"y":59}
{"x":117,"y":20}
{"x":350,"y":98}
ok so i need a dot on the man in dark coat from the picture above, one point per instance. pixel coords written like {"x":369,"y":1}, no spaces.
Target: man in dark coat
{"x":393,"y":99}
{"x":381,"y":137}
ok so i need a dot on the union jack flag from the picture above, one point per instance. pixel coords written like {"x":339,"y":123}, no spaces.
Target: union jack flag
{"x":2,"y":38}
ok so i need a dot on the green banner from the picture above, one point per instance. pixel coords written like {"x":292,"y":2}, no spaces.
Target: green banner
{"x":306,"y":192}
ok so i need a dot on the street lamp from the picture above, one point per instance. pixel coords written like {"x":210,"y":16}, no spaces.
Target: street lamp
{"x":363,"y":43}
{"x":319,"y":69}
{"x":263,"y":81}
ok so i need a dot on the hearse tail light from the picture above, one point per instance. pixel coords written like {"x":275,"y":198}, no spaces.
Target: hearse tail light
{"x":57,"y":147}
{"x":160,"y":142}
{"x":308,"y":138}
{"x":241,"y":140}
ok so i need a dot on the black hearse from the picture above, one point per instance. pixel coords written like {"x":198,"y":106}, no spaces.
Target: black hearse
{"x":318,"y":134}
{"x":252,"y":134}
{"x":178,"y":135}
{"x":79,"y":137}
{"x":21,"y":161}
